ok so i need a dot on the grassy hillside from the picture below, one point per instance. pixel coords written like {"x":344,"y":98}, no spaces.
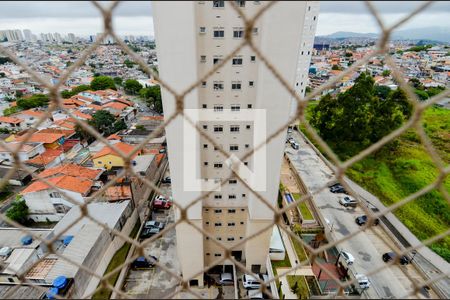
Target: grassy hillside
{"x":397,"y":171}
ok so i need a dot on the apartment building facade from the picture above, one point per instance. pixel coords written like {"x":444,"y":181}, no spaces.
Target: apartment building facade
{"x":192,"y":38}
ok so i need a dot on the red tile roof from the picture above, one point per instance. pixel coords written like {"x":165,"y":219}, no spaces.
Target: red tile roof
{"x":32,"y":113}
{"x":45,"y":158}
{"x":116,"y":105}
{"x":71,"y":170}
{"x":117,"y":193}
{"x":11,"y":120}
{"x":125,"y":148}
{"x":70,"y":183}
{"x":46,"y":138}
{"x":82,"y":115}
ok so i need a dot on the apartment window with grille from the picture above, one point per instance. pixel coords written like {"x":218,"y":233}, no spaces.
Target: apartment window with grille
{"x":218,"y":165}
{"x":231,"y":196}
{"x":218,"y":86}
{"x":217,"y":224}
{"x":237,"y":61}
{"x":230,"y":239}
{"x":202,"y":30}
{"x":203,"y":58}
{"x":232,"y":181}
{"x":217,"y":4}
{"x":218,"y":128}
{"x":219,"y":33}
{"x":234,"y":128}
{"x":236,"y":86}
{"x":252,"y":58}
{"x":231,"y":224}
{"x":235,"y":107}
{"x":234,"y":147}
{"x":217,"y":211}
{"x":203,"y":84}
{"x":217,"y":196}
{"x":240,"y":3}
{"x":238,"y":34}
{"x":218,"y":108}
{"x":231,"y":211}
{"x":251,"y":83}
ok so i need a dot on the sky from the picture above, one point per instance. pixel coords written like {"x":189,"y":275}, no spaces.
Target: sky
{"x":135,"y":17}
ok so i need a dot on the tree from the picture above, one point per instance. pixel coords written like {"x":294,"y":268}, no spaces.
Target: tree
{"x":18,"y":211}
{"x":416,"y":84}
{"x":335,"y":67}
{"x":75,"y":91}
{"x":382,"y":91}
{"x":119,"y":125}
{"x":132,"y":86}
{"x":4,"y":60}
{"x":152,"y":95}
{"x":19,"y":94}
{"x":83,"y":134}
{"x":386,"y":73}
{"x":308,"y":90}
{"x":423,"y":95}
{"x":104,"y":122}
{"x":10,"y":110}
{"x":118,"y":80}
{"x":2,"y":74}
{"x":128,"y":63}
{"x":36,"y":100}
{"x":102,"y":83}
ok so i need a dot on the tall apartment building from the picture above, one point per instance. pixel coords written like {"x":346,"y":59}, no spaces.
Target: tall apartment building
{"x":191,"y":38}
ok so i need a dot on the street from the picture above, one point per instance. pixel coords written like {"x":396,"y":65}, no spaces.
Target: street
{"x":366,"y":247}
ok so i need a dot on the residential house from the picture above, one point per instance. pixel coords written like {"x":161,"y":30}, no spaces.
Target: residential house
{"x":27,"y":151}
{"x":109,"y":158}
{"x":11,"y":123}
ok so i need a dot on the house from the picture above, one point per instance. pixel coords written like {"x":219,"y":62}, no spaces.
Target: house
{"x":27,"y":151}
{"x":50,"y":158}
{"x":109,"y":158}
{"x":11,"y":123}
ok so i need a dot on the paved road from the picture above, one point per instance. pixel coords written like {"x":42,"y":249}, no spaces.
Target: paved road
{"x":367,"y":248}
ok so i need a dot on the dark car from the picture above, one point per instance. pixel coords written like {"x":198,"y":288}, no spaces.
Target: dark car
{"x":388,"y":256}
{"x":148,"y":232}
{"x":362,"y":220}
{"x":143,"y":263}
{"x":166,"y":180}
{"x":337,"y":188}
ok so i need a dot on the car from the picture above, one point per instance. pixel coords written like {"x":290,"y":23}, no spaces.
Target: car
{"x":226,"y":279}
{"x":166,"y":180}
{"x":162,"y":204}
{"x":290,"y":140}
{"x":154,"y":224}
{"x":149,"y":232}
{"x":347,"y":201}
{"x":294,"y":144}
{"x":388,"y":256}
{"x":289,"y":130}
{"x":160,"y":198}
{"x":362,"y":220}
{"x":337,"y":188}
{"x":142,"y":262}
{"x":250,"y":282}
{"x":349,"y":259}
{"x":162,"y":150}
{"x":363,"y":281}
{"x":254,"y":294}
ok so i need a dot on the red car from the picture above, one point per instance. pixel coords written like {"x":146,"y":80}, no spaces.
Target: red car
{"x":162,"y":204}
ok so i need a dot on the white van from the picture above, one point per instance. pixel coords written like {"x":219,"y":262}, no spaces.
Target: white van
{"x":363,"y":281}
{"x":251,"y":282}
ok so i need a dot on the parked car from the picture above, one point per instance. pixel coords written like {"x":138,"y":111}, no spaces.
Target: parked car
{"x":162,"y":204}
{"x":166,"y":180}
{"x":337,"y":188}
{"x":362,"y":220}
{"x":254,"y":294}
{"x":289,"y":130}
{"x":154,"y":224}
{"x":347,"y":201}
{"x":363,"y":281}
{"x":251,"y":282}
{"x":349,"y":259}
{"x":294,"y":144}
{"x":226,"y":279}
{"x":290,"y":140}
{"x":148,"y":232}
{"x":142,"y":262}
{"x":388,"y":256}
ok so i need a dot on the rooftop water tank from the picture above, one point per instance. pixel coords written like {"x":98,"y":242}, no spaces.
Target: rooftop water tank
{"x":60,"y":282}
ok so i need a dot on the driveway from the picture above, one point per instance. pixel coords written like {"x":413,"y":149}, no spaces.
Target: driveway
{"x":366,"y":247}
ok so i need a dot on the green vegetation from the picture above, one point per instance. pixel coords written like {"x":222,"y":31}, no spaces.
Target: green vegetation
{"x":128,"y":63}
{"x":18,"y":211}
{"x":118,"y":80}
{"x":306,"y":213}
{"x":102,"y":83}
{"x":5,"y":192}
{"x":386,"y":73}
{"x":423,"y":92}
{"x":298,"y":286}
{"x":118,"y":259}
{"x":33,"y":101}
{"x":4,"y":60}
{"x":419,"y":48}
{"x":75,"y":91}
{"x":152,"y":96}
{"x":10,"y":110}
{"x":299,"y":250}
{"x":132,"y":86}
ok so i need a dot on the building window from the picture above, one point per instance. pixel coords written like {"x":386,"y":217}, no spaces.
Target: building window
{"x":218,"y":128}
{"x":314,"y":18}
{"x":234,"y":128}
{"x":206,"y":209}
{"x":204,"y":106}
{"x":217,"y":196}
{"x":218,"y":4}
{"x":218,"y":86}
{"x":232,"y":181}
{"x":218,"y":238}
{"x":242,"y":223}
{"x":217,"y":254}
{"x":203,"y":58}
{"x":241,"y":237}
{"x":231,"y":211}
{"x":231,"y":196}
{"x":218,"y":108}
{"x":255,"y":30}
{"x":250,"y":83}
{"x":248,"y":126}
{"x":245,"y":163}
{"x":240,"y":3}
{"x":219,"y":33}
{"x":242,"y":209}
{"x":235,"y":107}
{"x":230,"y":239}
{"x":237,"y":61}
{"x":238,"y":33}
{"x":252,"y":58}
{"x":205,"y":146}
{"x":207,"y":223}
{"x":249,"y":106}
{"x":231,"y":224}
{"x":309,"y":8}
{"x":247,"y":145}
{"x":55,"y":195}
{"x":243,"y":195}
{"x":59,"y":208}
{"x":218,"y":165}
{"x":217,"y":211}
{"x":234,"y":147}
{"x":236,"y":86}
{"x":206,"y":238}
{"x":202,"y":29}
{"x":205,"y":126}
{"x":205,"y":163}
{"x":217,"y":59}
{"x":208,"y":254}
{"x":203,"y":84}
{"x":217,"y":224}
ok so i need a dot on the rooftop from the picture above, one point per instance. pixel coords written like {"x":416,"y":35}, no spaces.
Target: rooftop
{"x":65,"y":182}
{"x":123,"y":147}
{"x":72,"y":170}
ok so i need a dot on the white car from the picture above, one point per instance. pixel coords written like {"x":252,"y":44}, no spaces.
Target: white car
{"x":251,"y":282}
{"x":363,"y":281}
{"x":162,"y":198}
{"x":348,"y":201}
{"x":349,"y":259}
